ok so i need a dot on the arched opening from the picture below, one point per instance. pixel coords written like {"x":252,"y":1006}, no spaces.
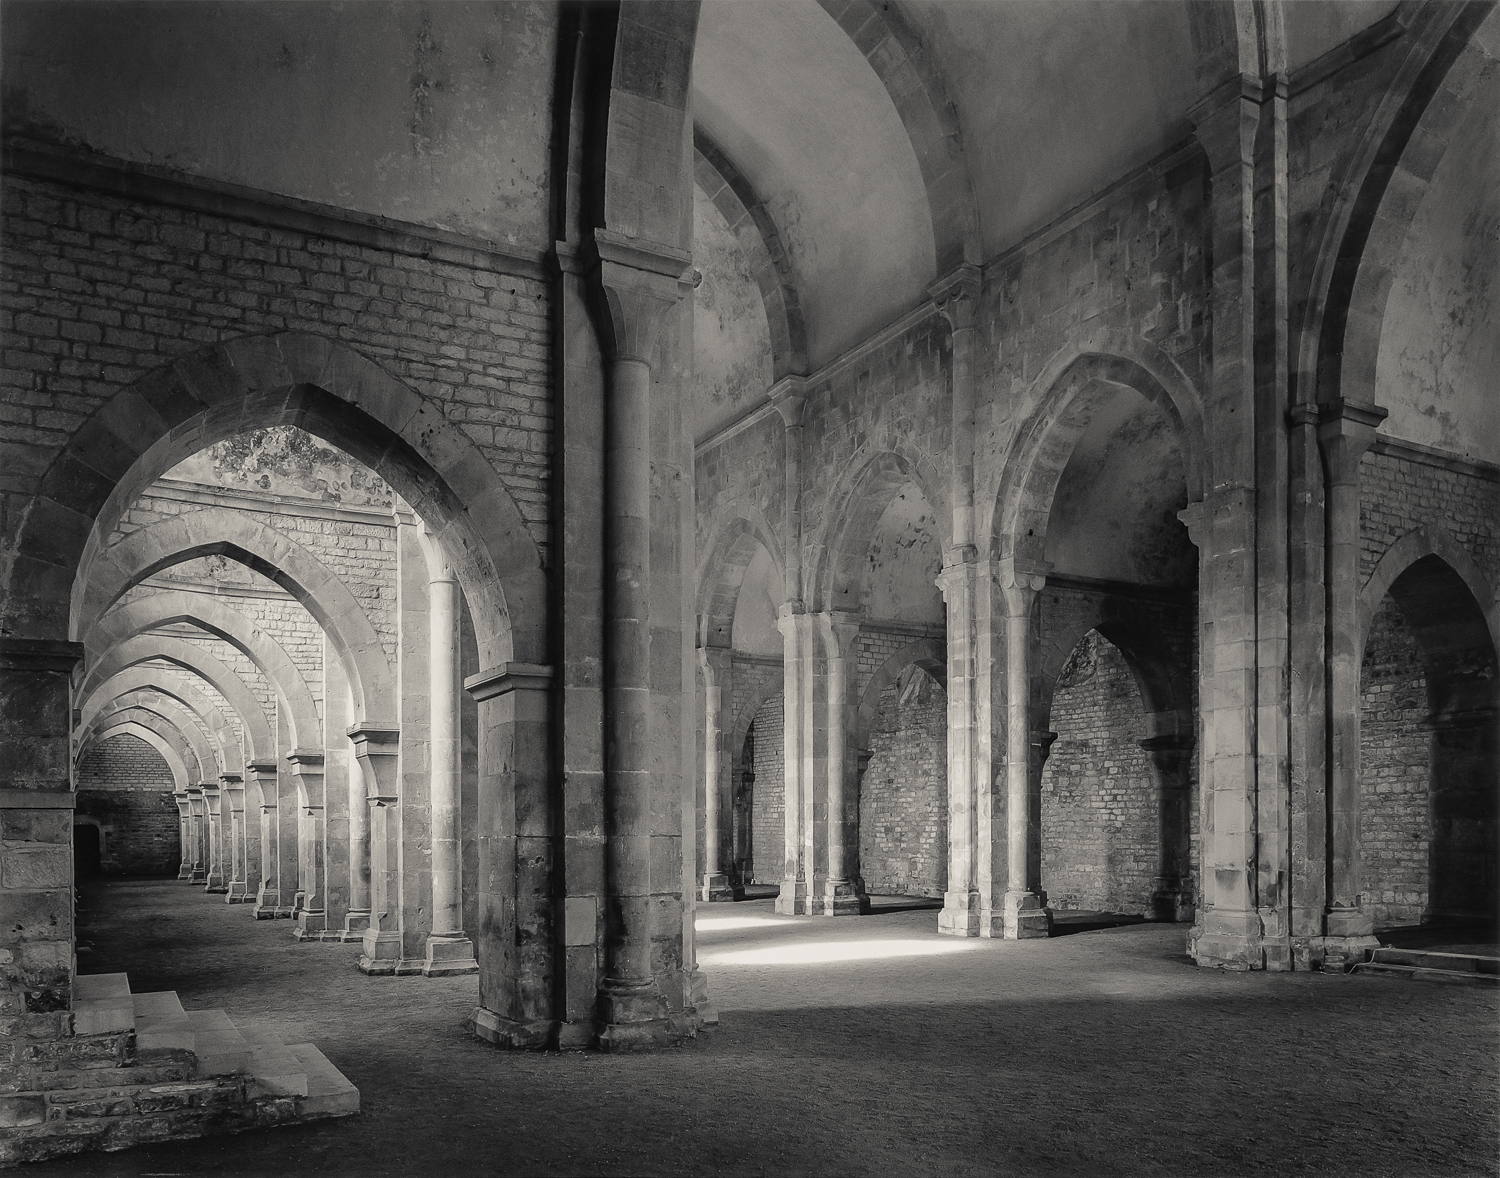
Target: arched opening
{"x":126,"y":787}
{"x":766,"y":765}
{"x":1429,"y":758}
{"x":88,"y":849}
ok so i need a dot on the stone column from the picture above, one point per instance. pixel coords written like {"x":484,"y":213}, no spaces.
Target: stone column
{"x":184,"y":833}
{"x":449,"y":950}
{"x":307,"y":768}
{"x":794,"y":898}
{"x":36,"y":831}
{"x":1345,"y":432}
{"x":961,"y":905}
{"x":841,"y":891}
{"x":517,"y":854}
{"x":268,"y":895}
{"x":213,"y":797}
{"x":1170,"y":750}
{"x":338,"y":767}
{"x":232,"y":806}
{"x":1025,"y":905}
{"x":640,"y":282}
{"x":717,"y":665}
{"x":378,"y":751}
{"x":357,"y":920}
{"x":198,"y":827}
{"x":289,"y":823}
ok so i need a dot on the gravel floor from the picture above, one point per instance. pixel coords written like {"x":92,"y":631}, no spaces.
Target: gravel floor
{"x":863,"y":1046}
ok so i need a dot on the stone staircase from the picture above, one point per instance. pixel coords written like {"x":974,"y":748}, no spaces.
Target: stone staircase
{"x":139,"y":1068}
{"x":1429,"y":965}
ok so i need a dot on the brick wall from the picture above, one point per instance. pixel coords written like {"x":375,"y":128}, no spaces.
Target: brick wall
{"x":1398,"y":494}
{"x":1395,"y":767}
{"x":100,"y":290}
{"x":768,"y":803}
{"x":125,"y":785}
{"x":1100,"y":806}
{"x":903,"y":798}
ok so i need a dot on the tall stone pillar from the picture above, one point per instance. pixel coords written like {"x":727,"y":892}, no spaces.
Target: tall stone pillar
{"x":718,"y":669}
{"x":378,"y":751}
{"x":1345,"y":432}
{"x":198,"y":828}
{"x":357,"y":919}
{"x":338,"y":768}
{"x":232,"y":806}
{"x":213,"y":798}
{"x":841,"y":891}
{"x":794,"y":898}
{"x":640,"y":283}
{"x":263,"y":775}
{"x":448,"y":949}
{"x":307,"y":769}
{"x":1170,"y":750}
{"x":289,"y":824}
{"x":184,"y":833}
{"x":517,"y":855}
{"x":36,"y":853}
{"x":1025,"y":912}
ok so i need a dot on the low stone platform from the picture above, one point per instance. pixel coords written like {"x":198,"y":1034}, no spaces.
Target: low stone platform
{"x":138,"y":1068}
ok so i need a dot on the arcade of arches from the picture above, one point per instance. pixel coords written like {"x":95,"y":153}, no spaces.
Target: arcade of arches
{"x":482,"y":483}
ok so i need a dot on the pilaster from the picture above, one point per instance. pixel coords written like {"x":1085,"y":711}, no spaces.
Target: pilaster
{"x":378,"y":751}
{"x":311,"y":917}
{"x":232,"y":810}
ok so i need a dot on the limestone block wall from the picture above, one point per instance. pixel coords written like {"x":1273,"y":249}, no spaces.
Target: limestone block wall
{"x":101,"y":290}
{"x":126,"y":787}
{"x":903,"y":798}
{"x":1395,"y":772}
{"x":768,"y":807}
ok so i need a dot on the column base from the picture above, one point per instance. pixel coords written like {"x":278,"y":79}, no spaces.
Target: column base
{"x":698,"y":1000}
{"x":239,"y":893}
{"x":185,"y":872}
{"x":717,"y":889}
{"x":959,"y":916}
{"x":213,"y":883}
{"x":1331,"y":954}
{"x":311,"y":925}
{"x":792,"y":899}
{"x":1172,"y":903}
{"x":1025,"y":917}
{"x":1229,"y":939}
{"x":448,"y":956}
{"x":197,"y":876}
{"x":634,"y":1018}
{"x":839,"y":897}
{"x":299,"y":899}
{"x":381,"y":954}
{"x":355,"y":923}
{"x":1348,"y":922}
{"x":503,"y":1032}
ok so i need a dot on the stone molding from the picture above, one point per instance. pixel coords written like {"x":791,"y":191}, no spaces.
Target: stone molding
{"x":39,"y":654}
{"x":216,"y":198}
{"x":1442,"y":460}
{"x":508,"y":677}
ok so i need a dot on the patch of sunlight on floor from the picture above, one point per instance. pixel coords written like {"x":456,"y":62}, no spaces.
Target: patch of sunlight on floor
{"x":820,"y":953}
{"x":716,"y":924}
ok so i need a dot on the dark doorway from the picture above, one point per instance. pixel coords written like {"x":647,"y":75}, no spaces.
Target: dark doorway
{"x":86,"y":852}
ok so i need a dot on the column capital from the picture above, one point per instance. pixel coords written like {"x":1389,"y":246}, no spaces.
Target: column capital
{"x":1346,"y":429}
{"x":378,"y":735}
{"x":788,"y":396}
{"x":956,"y":295}
{"x":1194,"y":518}
{"x":1020,"y":580}
{"x":262,"y":765}
{"x":640,"y":280}
{"x":509,"y":677}
{"x":839,"y":629}
{"x":312,"y":758}
{"x":960,"y":572}
{"x":714,"y":660}
{"x":1224,"y":122}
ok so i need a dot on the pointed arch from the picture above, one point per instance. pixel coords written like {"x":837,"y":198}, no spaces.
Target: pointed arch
{"x":1068,"y":390}
{"x":219,"y":531}
{"x":260,"y":741}
{"x":931,"y":654}
{"x":296,"y":379}
{"x":732,"y":545}
{"x":1408,"y":550}
{"x":163,"y":747}
{"x":182,"y":703}
{"x":153,"y":709}
{"x":126,"y":621}
{"x":855,"y":504}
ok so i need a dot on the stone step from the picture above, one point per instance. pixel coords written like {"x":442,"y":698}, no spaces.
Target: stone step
{"x":102,"y":1004}
{"x":218,"y":1044}
{"x":1432,"y":959}
{"x":161,"y":1024}
{"x":274,"y":1070}
{"x":1419,"y":973}
{"x":328,"y":1093}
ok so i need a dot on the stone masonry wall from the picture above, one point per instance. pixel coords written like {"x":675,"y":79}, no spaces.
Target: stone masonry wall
{"x":100,"y":290}
{"x":768,"y":803}
{"x":125,"y":785}
{"x":1100,"y":804}
{"x":903,"y":797}
{"x":1395,"y":770}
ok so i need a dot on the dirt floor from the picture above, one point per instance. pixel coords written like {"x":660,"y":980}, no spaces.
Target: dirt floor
{"x":866,"y":1046}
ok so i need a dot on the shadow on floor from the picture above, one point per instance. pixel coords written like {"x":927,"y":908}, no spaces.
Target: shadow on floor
{"x":1480,"y":936}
